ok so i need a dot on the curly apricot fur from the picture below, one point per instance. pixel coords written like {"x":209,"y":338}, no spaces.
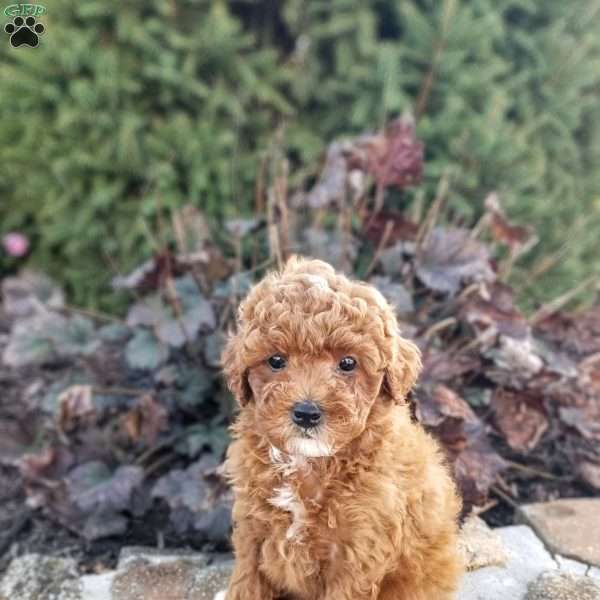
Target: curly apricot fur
{"x":362,"y":507}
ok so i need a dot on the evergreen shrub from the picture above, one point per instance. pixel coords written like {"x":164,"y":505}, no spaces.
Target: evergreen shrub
{"x":128,"y":110}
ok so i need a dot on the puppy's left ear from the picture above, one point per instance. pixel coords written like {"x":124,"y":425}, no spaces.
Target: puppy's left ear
{"x":236,"y":373}
{"x":403,"y":370}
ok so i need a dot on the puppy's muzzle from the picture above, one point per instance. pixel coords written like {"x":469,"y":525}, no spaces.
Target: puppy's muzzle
{"x":306,"y":414}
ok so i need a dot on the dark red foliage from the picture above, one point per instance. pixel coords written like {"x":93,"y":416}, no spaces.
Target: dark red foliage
{"x":463,"y":434}
{"x":398,"y":226}
{"x":394,"y":156}
{"x":152,"y":274}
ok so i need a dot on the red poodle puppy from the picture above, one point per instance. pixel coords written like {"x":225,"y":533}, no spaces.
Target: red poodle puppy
{"x":338,"y":494}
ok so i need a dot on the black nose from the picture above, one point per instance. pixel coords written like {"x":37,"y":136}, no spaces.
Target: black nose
{"x":306,"y":414}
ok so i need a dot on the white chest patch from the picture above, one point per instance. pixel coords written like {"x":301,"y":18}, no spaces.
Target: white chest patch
{"x":287,"y":464}
{"x":308,"y":447}
{"x":295,"y":460}
{"x":286,"y":500}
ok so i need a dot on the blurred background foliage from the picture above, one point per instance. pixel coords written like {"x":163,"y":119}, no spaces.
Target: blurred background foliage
{"x":129,"y":110}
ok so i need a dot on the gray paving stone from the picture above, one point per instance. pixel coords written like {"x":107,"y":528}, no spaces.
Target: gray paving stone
{"x":527,"y":559}
{"x":179,"y":579}
{"x":171,"y":580}
{"x":211,"y":581}
{"x":481,"y":545}
{"x":570,"y":527}
{"x":143,"y":555}
{"x":568,"y":565}
{"x":97,"y":587}
{"x":37,"y":577}
{"x":148,"y":574}
{"x":554,"y":585}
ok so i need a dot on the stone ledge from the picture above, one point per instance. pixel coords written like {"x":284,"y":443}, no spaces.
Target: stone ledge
{"x":481,"y":545}
{"x":554,"y":585}
{"x":510,"y":563}
{"x":570,"y":527}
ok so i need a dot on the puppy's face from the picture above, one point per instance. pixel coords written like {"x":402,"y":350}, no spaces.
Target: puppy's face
{"x":313,"y":405}
{"x":313,"y":353}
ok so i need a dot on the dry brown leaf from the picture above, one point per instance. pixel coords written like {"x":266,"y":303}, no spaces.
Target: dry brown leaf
{"x":440,"y":366}
{"x":145,"y":420}
{"x":577,"y":333}
{"x":76,"y":408}
{"x":520,"y":417}
{"x":51,"y":462}
{"x":399,"y":228}
{"x":476,"y":469}
{"x":493,"y":306}
{"x":152,"y":274}
{"x":453,"y":422}
{"x":42,"y":478}
{"x":502,"y":230}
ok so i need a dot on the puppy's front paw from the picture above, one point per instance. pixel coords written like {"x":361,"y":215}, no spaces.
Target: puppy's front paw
{"x":220,"y":595}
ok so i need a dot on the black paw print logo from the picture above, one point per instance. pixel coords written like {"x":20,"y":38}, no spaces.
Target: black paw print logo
{"x":24,"y":31}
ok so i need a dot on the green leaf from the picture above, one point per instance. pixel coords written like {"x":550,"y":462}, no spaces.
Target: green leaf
{"x":144,"y":351}
{"x":195,"y":313}
{"x":115,"y":332}
{"x":27,"y":347}
{"x":47,"y":336}
{"x":79,"y":337}
{"x":199,"y":437}
{"x":195,"y":383}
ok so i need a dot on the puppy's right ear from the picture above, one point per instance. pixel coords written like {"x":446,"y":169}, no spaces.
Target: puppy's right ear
{"x":236,"y":373}
{"x":401,"y":375}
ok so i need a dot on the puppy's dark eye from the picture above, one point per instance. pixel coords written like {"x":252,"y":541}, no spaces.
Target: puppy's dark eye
{"x":347,"y":364}
{"x":277,"y":362}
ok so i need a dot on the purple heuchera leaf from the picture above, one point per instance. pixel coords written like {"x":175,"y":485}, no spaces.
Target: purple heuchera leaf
{"x":93,"y":487}
{"x":450,"y":257}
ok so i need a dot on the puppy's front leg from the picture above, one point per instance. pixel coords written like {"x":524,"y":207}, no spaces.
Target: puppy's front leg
{"x":358,"y":580}
{"x":247,"y":581}
{"x":350,"y":588}
{"x":248,"y":584}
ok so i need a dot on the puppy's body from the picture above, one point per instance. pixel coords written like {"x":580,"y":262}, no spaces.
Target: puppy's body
{"x":360,"y":506}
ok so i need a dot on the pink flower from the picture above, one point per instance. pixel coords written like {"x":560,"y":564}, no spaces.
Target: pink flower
{"x":15,"y":244}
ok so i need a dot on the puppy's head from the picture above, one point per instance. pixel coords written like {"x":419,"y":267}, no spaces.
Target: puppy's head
{"x":313,"y":352}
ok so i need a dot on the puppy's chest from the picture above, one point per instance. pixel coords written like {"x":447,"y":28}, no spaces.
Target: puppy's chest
{"x":306,"y":521}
